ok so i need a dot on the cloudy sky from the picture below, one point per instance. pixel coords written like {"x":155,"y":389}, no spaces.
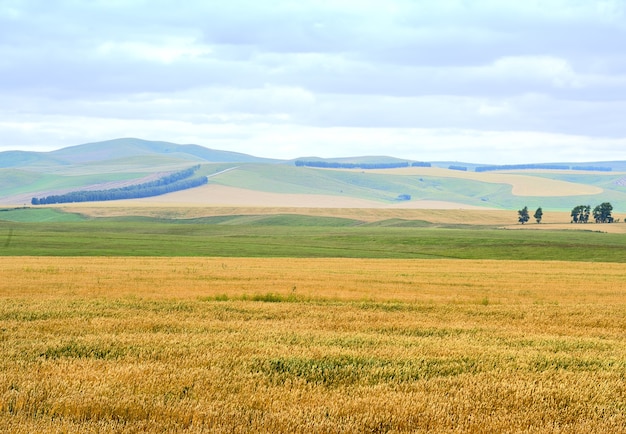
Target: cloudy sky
{"x":486,"y":81}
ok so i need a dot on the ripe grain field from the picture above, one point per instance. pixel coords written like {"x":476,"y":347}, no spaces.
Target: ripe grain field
{"x":189,"y":344}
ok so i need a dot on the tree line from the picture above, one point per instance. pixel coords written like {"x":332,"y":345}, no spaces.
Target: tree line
{"x":177,"y":181}
{"x":336,"y":165}
{"x":541,"y":166}
{"x":521,"y":166}
{"x":580,"y":214}
{"x":548,"y":166}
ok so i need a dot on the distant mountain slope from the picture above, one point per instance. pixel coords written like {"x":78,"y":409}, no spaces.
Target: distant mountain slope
{"x":370,"y":159}
{"x":17,"y":159}
{"x":117,"y":149}
{"x":24,"y":175}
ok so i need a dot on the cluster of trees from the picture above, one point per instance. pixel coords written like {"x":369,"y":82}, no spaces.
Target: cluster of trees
{"x":523,"y":216}
{"x":336,"y":165}
{"x":167,"y":184}
{"x":601,"y":213}
{"x":580,"y":214}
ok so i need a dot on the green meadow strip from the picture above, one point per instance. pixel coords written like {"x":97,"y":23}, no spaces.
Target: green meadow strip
{"x":282,"y":237}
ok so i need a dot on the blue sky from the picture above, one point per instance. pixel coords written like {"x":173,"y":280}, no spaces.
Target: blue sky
{"x":487,"y":81}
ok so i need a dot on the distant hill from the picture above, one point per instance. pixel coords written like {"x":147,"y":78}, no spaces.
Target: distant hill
{"x":114,"y":150}
{"x":129,"y":161}
{"x":370,"y":159}
{"x":17,"y":159}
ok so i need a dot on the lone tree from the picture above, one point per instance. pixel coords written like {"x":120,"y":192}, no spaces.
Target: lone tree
{"x":538,"y":215}
{"x":523,"y":216}
{"x":602,"y":213}
{"x":580,"y":214}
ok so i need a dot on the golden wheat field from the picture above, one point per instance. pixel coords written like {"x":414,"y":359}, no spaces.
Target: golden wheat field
{"x":311,"y":345}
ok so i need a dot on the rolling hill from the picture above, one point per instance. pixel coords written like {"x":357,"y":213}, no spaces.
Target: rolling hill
{"x":118,"y":150}
{"x":237,"y":179}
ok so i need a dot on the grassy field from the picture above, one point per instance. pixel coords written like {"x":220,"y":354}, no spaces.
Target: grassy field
{"x":37,"y":215}
{"x":93,"y":344}
{"x":301,"y":236}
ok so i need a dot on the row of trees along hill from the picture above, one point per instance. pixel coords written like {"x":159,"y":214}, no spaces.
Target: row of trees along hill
{"x":177,"y":181}
{"x":601,"y":213}
{"x":542,"y":166}
{"x":336,"y":165}
{"x":580,"y":214}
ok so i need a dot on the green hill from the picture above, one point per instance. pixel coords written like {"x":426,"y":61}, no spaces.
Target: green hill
{"x":120,"y":149}
{"x":124,"y":161}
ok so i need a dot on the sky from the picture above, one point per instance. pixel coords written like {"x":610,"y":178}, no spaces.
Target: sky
{"x":478,"y":81}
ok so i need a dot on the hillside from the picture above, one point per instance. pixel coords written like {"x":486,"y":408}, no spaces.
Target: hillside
{"x":255,"y":185}
{"x":237,"y":179}
{"x":112,"y":152}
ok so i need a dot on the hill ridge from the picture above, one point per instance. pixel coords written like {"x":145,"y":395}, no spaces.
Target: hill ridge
{"x":127,"y":147}
{"x":25,"y":174}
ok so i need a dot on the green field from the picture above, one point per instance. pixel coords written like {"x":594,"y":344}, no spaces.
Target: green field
{"x":291,"y":236}
{"x":37,"y":215}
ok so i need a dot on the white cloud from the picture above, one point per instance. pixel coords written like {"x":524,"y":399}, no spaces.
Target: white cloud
{"x":555,"y":71}
{"x":338,"y":77}
{"x":166,"y":52}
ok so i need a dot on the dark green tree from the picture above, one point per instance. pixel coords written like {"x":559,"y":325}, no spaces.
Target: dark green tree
{"x":586,"y":213}
{"x":580,"y":214}
{"x":538,"y":215}
{"x":602,"y":213}
{"x":523,"y":216}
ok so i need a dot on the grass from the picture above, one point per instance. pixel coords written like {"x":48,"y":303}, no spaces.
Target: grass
{"x":36,"y":183}
{"x":296,"y":236}
{"x":37,"y":215}
{"x":310,"y":345}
